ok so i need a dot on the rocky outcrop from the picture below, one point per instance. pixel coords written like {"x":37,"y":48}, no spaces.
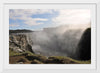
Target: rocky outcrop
{"x":84,"y":46}
{"x":19,"y":43}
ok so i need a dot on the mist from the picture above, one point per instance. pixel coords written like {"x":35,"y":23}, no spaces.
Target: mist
{"x":55,"y":41}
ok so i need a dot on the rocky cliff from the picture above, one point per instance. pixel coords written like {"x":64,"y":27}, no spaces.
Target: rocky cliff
{"x":19,"y":43}
{"x":84,"y":46}
{"x":21,"y":51}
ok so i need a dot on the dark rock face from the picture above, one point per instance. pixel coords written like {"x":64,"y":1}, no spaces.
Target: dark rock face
{"x":84,"y":46}
{"x":19,"y":43}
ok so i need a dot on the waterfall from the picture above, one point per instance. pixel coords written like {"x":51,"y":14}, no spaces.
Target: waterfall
{"x":54,"y":42}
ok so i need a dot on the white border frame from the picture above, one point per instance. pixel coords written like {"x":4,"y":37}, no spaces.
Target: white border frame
{"x":92,"y":8}
{"x":98,"y":35}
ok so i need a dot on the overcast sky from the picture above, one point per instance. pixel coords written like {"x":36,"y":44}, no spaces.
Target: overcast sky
{"x":35,"y":19}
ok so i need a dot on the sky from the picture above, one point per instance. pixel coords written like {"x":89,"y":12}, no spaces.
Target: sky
{"x":36,"y":19}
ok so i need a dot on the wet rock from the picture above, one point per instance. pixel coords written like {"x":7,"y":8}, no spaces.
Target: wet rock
{"x":22,"y":60}
{"x":36,"y":62}
{"x":84,"y":46}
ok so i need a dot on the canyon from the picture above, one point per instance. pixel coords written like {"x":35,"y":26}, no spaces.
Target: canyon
{"x":56,"y":41}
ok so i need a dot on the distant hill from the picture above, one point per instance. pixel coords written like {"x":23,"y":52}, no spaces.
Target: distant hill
{"x":20,"y":31}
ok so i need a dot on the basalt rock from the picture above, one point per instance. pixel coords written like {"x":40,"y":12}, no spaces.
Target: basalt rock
{"x":84,"y":46}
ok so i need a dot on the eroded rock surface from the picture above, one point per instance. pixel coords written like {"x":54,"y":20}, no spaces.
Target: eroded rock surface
{"x":19,"y":43}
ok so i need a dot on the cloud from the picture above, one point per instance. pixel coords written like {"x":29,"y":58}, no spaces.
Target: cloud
{"x":76,"y":17}
{"x":14,"y":25}
{"x":16,"y":13}
{"x":40,"y":19}
{"x":25,"y":15}
{"x":33,"y":21}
